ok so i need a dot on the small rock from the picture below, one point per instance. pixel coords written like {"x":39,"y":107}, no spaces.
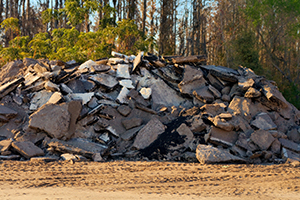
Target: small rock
{"x":252,"y":93}
{"x":146,"y":92}
{"x":51,"y":86}
{"x":124,"y":110}
{"x":97,"y":157}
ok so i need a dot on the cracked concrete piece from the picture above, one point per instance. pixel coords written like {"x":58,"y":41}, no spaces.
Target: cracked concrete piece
{"x":148,"y":133}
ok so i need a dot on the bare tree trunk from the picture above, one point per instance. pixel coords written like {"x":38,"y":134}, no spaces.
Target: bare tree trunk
{"x":1,"y":10}
{"x":6,"y":9}
{"x":144,"y":16}
{"x":56,"y":20}
{"x":23,"y":18}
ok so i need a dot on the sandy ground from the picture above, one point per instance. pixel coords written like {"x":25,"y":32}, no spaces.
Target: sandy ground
{"x":146,"y":180}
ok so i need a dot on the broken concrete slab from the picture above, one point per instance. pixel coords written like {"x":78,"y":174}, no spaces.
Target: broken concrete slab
{"x":10,"y":86}
{"x":133,"y":94}
{"x":122,"y":97}
{"x":137,"y":61}
{"x":252,"y":93}
{"x":214,"y":91}
{"x":290,"y":145}
{"x":276,"y":147}
{"x":51,"y":118}
{"x":223,"y":73}
{"x":148,"y":134}
{"x":244,"y":84}
{"x":222,"y":124}
{"x":204,"y":95}
{"x":51,"y":86}
{"x":84,"y":97}
{"x":11,"y":70}
{"x":27,"y":149}
{"x":39,"y":99}
{"x":189,"y":59}
{"x":207,"y":155}
{"x":131,"y":133}
{"x":55,"y":98}
{"x":105,"y":80}
{"x":123,"y":71}
{"x":5,"y":145}
{"x":77,"y":146}
{"x":222,"y":137}
{"x":87,"y":65}
{"x":273,"y":94}
{"x":97,"y":157}
{"x":40,"y":68}
{"x":77,"y":86}
{"x":196,"y":124}
{"x":263,"y":121}
{"x":184,"y":131}
{"x":126,"y":83}
{"x":124,"y":110}
{"x":131,"y":123}
{"x":294,"y":134}
{"x":7,"y":112}
{"x":290,"y":155}
{"x":240,"y":106}
{"x":100,"y":68}
{"x":262,"y":138}
{"x":192,"y":79}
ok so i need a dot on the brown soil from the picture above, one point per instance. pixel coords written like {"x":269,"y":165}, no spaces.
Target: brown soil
{"x":147,"y":180}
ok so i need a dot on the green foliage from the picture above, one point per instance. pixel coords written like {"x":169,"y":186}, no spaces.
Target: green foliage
{"x":108,"y":19}
{"x":40,"y":45}
{"x":292,"y":94}
{"x":129,"y":38}
{"x":8,"y":54}
{"x":76,"y":12}
{"x":11,"y":24}
{"x":246,"y":53}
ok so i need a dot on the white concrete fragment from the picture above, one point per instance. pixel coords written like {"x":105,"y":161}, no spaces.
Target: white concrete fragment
{"x":146,"y":92}
{"x":87,"y":65}
{"x":127,"y":84}
{"x":85,"y":97}
{"x":122,"y":97}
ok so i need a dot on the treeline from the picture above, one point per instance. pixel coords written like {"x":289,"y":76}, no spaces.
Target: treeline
{"x":260,"y":34}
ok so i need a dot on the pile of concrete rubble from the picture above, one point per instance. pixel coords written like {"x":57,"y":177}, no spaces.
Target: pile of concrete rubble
{"x":143,"y":107}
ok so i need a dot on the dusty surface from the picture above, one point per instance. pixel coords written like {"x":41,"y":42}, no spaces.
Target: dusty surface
{"x":146,"y":180}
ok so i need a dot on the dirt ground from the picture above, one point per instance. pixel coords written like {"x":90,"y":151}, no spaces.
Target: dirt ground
{"x":146,"y":180}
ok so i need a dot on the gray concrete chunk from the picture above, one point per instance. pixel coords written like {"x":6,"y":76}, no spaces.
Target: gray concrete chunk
{"x":207,"y":154}
{"x":262,"y":138}
{"x":105,"y":80}
{"x":290,"y":145}
{"x":123,"y":71}
{"x":53,"y":119}
{"x":263,"y":121}
{"x":27,"y":149}
{"x":148,"y":134}
{"x":131,"y":123}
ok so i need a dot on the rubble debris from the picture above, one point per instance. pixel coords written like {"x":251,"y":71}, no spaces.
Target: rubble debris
{"x":207,"y":154}
{"x":143,"y":107}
